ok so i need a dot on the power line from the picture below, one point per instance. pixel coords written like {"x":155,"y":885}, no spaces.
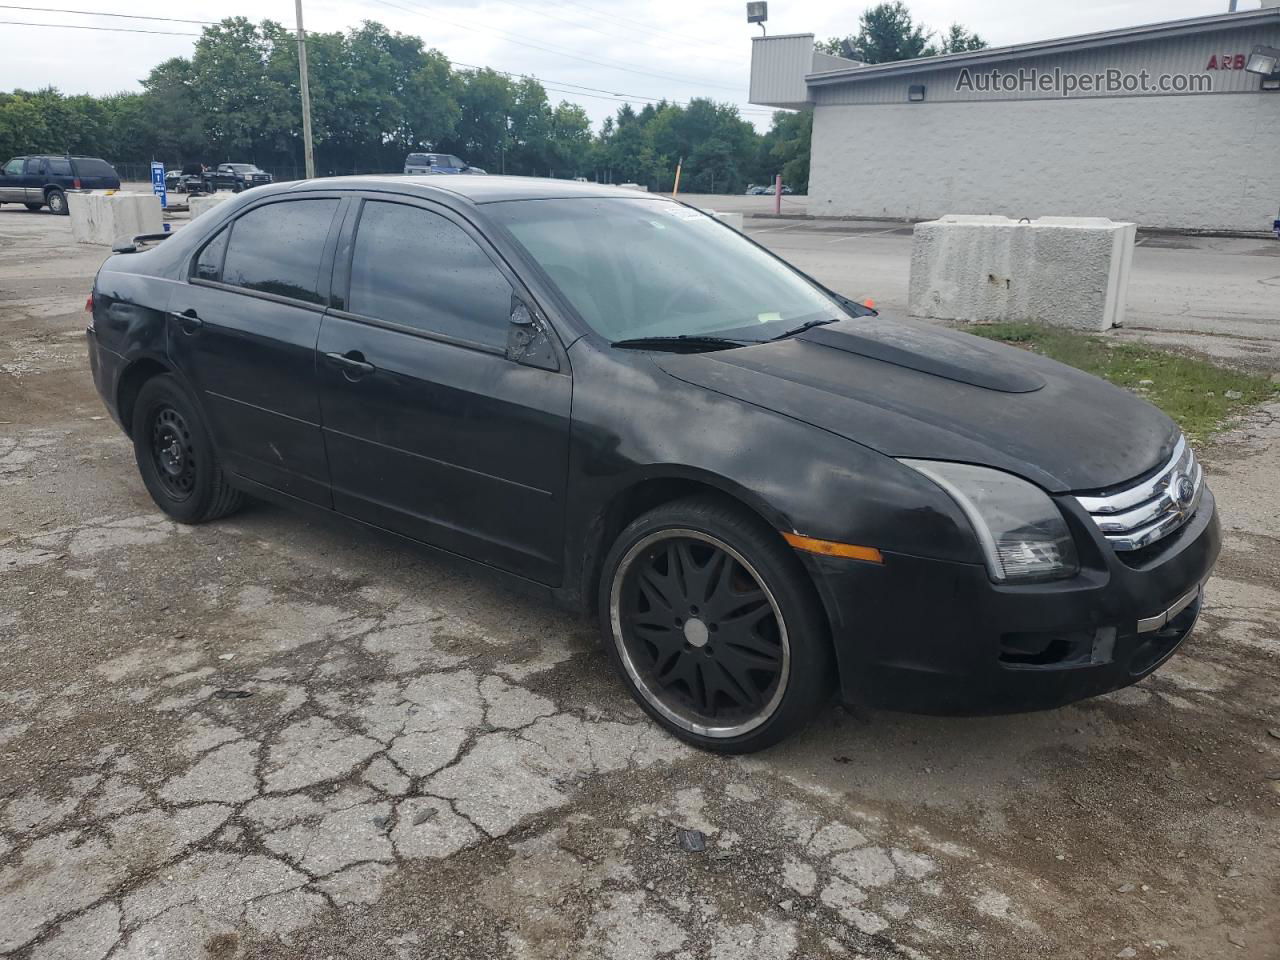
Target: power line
{"x":95,"y":13}
{"x":637,"y":24}
{"x":511,"y":38}
{"x":596,"y":93}
{"x":75,"y":26}
{"x":604,"y":93}
{"x":611,"y":36}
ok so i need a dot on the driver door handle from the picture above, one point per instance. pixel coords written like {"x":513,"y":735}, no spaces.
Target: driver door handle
{"x":187,"y":320}
{"x":352,"y":361}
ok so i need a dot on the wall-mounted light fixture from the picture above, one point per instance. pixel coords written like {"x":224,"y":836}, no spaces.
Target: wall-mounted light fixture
{"x":1264,"y":60}
{"x":915,"y":93}
{"x":758,"y":12}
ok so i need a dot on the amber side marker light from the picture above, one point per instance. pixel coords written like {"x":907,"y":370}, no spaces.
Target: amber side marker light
{"x":830,"y":548}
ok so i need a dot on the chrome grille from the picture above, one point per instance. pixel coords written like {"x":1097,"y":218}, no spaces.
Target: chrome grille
{"x":1138,"y":516}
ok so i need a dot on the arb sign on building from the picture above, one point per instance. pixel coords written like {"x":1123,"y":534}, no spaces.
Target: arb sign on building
{"x":1168,"y":125}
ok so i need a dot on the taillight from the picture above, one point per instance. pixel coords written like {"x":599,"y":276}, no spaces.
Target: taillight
{"x":76,"y":183}
{"x":88,"y":304}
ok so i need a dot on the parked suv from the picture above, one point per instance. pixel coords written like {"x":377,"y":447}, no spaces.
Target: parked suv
{"x":43,"y":181}
{"x":765,"y":490}
{"x":420,"y":163}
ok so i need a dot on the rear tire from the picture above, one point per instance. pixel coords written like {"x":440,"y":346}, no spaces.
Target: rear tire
{"x":57,"y":202}
{"x":715,"y":627}
{"x":176,"y":457}
{"x":34,"y":207}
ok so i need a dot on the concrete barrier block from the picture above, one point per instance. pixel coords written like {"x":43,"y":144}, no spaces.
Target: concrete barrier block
{"x":105,"y":218}
{"x":1060,"y":271}
{"x":634,"y":186}
{"x":206,"y":202}
{"x":732,"y":219}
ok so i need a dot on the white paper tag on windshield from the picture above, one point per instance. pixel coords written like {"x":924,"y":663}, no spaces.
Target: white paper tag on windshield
{"x":683,"y":213}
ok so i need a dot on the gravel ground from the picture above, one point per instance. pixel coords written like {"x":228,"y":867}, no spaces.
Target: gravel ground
{"x":278,"y":737}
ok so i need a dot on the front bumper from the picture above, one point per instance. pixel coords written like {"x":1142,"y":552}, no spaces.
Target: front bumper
{"x":933,"y":636}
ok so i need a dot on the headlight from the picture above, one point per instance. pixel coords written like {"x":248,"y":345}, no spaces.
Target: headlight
{"x":1021,"y":530}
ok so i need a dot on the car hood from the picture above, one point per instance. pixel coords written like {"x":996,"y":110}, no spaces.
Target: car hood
{"x":911,"y":389}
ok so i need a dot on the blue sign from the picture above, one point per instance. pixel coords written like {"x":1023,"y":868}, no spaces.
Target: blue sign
{"x":157,"y":183}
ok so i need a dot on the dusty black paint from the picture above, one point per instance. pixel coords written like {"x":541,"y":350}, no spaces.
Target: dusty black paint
{"x":529,"y":459}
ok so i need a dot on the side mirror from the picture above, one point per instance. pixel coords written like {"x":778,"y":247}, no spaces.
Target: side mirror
{"x":528,"y":342}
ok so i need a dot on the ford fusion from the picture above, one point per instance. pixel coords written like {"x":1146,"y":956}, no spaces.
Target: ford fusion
{"x":764,"y":491}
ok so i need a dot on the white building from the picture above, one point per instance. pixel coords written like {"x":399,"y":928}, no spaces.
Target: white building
{"x":1158,"y":124}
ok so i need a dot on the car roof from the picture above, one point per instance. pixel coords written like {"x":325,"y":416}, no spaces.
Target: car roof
{"x":486,"y":189}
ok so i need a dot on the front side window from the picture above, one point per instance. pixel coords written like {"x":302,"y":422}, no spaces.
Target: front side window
{"x":13,"y":168}
{"x":654,"y":268}
{"x":279,"y":248}
{"x":418,"y":269}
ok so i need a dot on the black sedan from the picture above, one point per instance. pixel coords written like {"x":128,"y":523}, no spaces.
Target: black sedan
{"x":763,"y":490}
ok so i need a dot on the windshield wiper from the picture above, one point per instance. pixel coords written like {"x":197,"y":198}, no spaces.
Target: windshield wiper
{"x":682,"y":340}
{"x":808,"y":326}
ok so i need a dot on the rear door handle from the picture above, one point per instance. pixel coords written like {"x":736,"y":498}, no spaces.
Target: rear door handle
{"x":352,"y":362}
{"x":188,"y":320}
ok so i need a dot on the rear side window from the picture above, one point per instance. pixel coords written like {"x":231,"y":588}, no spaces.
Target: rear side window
{"x":89,"y":167}
{"x":421,"y":270}
{"x":209,"y":263}
{"x":35,"y":165}
{"x":59,"y":166}
{"x":278,"y":248}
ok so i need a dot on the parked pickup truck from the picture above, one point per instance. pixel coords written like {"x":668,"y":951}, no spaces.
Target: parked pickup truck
{"x":235,"y":176}
{"x":45,"y":181}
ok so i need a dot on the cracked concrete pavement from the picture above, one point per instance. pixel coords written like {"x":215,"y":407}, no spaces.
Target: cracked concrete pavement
{"x":280,"y":737}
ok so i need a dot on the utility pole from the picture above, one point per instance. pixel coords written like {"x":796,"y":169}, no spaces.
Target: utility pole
{"x":308,"y":157}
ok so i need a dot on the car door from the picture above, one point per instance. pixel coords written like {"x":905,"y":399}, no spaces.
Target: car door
{"x":11,"y":186}
{"x":243,"y":332}
{"x":430,"y":429}
{"x":33,"y":179}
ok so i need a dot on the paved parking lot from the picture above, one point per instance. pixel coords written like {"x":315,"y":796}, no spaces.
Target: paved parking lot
{"x":278,"y":737}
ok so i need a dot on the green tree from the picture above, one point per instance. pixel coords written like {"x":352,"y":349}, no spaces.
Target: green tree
{"x":888,"y":33}
{"x":957,"y":39}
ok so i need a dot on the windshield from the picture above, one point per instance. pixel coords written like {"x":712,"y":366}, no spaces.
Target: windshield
{"x":654,"y":268}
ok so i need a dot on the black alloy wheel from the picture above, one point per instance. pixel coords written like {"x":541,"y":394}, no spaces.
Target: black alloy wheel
{"x":701,"y":634}
{"x":714,"y":626}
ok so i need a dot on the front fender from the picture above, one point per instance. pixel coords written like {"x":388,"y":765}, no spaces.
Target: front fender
{"x":632,"y":422}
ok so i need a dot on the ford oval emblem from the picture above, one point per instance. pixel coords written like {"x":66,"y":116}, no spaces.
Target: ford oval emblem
{"x":1183,"y":490}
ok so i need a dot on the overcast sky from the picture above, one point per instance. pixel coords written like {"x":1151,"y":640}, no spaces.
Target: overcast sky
{"x":640,"y":48}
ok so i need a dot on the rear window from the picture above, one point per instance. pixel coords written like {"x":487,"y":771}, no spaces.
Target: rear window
{"x":417,"y":159}
{"x":277,"y":248}
{"x":90,"y":167}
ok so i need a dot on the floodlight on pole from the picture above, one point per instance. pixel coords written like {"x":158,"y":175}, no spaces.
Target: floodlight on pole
{"x":308,"y":157}
{"x":758,"y":12}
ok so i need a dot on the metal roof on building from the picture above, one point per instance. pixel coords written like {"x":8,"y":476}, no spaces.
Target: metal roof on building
{"x":1266,"y":16}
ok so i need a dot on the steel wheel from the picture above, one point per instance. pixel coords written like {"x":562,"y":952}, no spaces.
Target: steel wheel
{"x":173,"y":452}
{"x":699,"y":633}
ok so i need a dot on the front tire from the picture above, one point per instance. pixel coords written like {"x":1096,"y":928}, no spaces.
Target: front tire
{"x":57,"y":202}
{"x":714,"y":626}
{"x":176,"y":457}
